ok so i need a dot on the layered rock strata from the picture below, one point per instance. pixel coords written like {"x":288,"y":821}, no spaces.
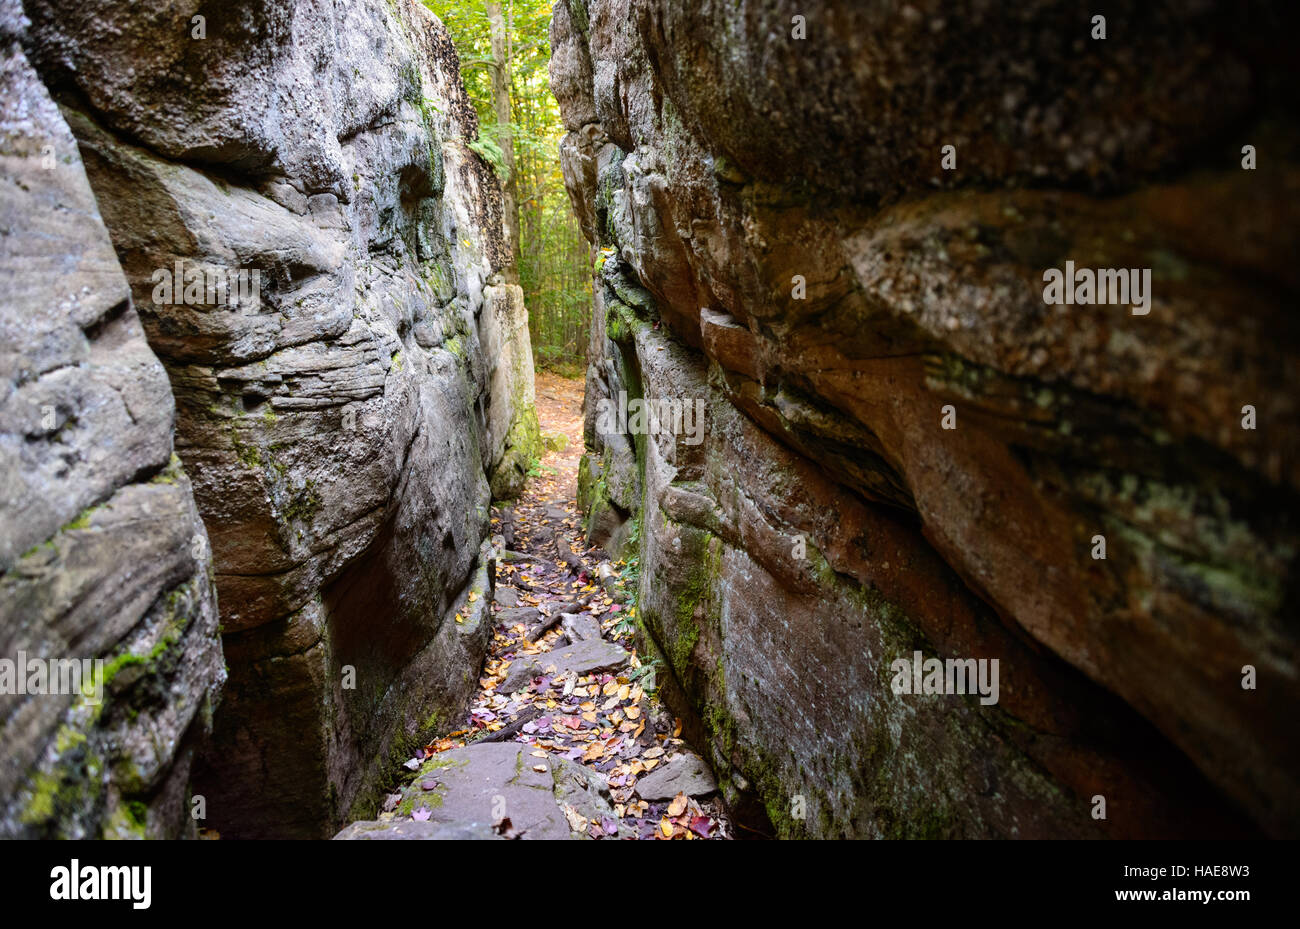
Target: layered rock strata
{"x":316,"y":257}
{"x":832,"y":229}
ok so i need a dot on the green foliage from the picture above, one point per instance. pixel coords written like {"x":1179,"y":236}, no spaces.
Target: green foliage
{"x":491,"y":153}
{"x":553,"y":258}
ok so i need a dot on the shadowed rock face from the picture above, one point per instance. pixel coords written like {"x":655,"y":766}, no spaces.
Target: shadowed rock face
{"x":774,"y":234}
{"x":344,"y":413}
{"x":102,"y":554}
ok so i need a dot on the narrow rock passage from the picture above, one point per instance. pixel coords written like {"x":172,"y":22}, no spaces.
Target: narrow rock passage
{"x":565,"y":737}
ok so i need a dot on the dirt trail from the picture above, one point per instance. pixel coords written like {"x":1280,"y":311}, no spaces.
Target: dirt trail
{"x":559,"y":408}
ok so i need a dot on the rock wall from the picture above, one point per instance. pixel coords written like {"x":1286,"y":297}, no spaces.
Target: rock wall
{"x":775,"y":234}
{"x":102,"y":553}
{"x":343,"y":413}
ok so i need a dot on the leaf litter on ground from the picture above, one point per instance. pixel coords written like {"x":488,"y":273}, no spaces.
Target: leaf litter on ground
{"x":606,"y":721}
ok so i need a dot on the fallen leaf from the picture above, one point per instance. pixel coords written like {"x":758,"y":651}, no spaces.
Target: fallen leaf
{"x":678,"y":806}
{"x":577,"y":822}
{"x":503,"y":827}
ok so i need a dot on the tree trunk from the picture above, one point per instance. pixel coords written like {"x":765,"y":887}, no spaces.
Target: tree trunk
{"x":501,"y":102}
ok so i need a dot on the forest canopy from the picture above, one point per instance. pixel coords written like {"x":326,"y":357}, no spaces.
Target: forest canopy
{"x":505,"y":51}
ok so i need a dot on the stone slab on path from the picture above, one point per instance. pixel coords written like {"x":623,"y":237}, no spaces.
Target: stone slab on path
{"x":409,"y":829}
{"x":480,"y":786}
{"x":580,"y":627}
{"x":522,"y":614}
{"x":684,"y":773}
{"x":580,"y":658}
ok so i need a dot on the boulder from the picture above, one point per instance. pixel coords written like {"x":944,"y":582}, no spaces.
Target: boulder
{"x":684,"y":773}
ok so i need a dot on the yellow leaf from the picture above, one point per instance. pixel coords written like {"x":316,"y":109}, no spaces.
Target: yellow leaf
{"x":666,"y":828}
{"x":678,"y":806}
{"x":473,"y":595}
{"x":634,"y":712}
{"x":577,"y":822}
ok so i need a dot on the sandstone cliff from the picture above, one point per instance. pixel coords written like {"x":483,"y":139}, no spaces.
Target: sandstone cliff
{"x":341,"y":422}
{"x":775,"y":233}
{"x":102,"y":552}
